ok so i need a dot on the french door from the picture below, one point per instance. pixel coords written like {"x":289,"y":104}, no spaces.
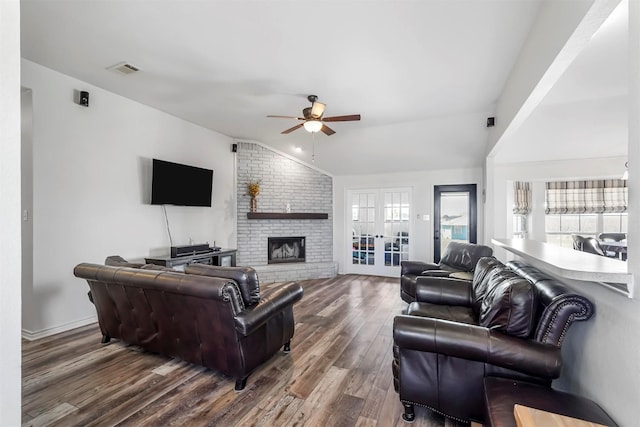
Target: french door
{"x":454,"y":213}
{"x":378,"y":238}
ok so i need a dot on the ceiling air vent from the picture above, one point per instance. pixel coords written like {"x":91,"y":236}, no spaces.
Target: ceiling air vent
{"x":123,"y":68}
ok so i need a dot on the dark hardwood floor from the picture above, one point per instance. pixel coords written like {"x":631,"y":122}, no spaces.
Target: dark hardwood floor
{"x":337,"y":374}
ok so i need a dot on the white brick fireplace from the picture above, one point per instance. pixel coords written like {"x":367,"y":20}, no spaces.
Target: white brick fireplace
{"x":283,"y":182}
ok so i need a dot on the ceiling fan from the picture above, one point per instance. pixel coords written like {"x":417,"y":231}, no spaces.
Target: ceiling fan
{"x":313,"y":121}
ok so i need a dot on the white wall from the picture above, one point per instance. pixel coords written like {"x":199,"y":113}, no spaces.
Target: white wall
{"x":91,"y":189}
{"x":10,"y":355}
{"x":601,"y":355}
{"x":558,"y":35}
{"x":634,"y":141}
{"x":422,"y":184}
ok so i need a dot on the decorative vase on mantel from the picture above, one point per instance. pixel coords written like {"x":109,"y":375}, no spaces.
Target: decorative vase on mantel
{"x":253,"y":189}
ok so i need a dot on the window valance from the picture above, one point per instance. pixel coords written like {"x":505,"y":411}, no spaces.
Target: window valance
{"x":521,"y":198}
{"x":593,"y":196}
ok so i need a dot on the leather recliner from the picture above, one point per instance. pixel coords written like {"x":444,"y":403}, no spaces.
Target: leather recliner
{"x":223,"y":323}
{"x":509,"y":322}
{"x":457,"y":257}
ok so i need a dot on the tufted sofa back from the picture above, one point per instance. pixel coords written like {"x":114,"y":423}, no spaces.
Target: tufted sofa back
{"x":245,"y":277}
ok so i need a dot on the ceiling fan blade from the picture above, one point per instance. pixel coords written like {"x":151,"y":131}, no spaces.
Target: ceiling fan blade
{"x":327,"y":130}
{"x":292,"y":129}
{"x":287,"y":117}
{"x":348,"y":118}
{"x":317,"y":109}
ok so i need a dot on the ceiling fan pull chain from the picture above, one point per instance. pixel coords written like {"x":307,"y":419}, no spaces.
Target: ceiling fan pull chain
{"x":313,"y":147}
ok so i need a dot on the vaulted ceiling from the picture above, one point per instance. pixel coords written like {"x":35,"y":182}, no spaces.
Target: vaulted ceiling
{"x":424,"y":75}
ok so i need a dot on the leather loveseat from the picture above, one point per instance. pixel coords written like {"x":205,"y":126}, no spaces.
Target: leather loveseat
{"x":457,"y":257}
{"x":223,"y":323}
{"x":509,"y":322}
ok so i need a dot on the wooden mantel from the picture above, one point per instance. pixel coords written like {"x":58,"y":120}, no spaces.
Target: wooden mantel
{"x":283,"y":215}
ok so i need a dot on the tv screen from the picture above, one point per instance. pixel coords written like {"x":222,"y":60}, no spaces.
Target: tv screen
{"x":183,"y":185}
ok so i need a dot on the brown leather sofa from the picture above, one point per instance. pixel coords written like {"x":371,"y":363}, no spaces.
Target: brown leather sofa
{"x":223,"y":323}
{"x":509,"y":322}
{"x":457,"y":257}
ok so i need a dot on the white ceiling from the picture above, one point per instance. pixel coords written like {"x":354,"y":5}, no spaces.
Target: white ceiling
{"x":585,"y":114}
{"x":424,"y":75}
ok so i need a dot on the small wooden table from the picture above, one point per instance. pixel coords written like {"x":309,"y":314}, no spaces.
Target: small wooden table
{"x":531,"y":417}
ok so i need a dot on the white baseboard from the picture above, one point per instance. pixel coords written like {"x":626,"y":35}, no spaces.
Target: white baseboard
{"x":31,"y":336}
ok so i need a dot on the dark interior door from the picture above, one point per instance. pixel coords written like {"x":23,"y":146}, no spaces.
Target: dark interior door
{"x":455,"y":216}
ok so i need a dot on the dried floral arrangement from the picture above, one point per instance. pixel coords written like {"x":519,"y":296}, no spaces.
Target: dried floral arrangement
{"x":253,"y":188}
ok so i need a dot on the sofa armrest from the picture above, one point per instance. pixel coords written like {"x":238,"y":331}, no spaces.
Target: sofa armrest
{"x":245,"y":277}
{"x":477,"y":343}
{"x":444,"y":290}
{"x":272,"y":304}
{"x":416,"y":267}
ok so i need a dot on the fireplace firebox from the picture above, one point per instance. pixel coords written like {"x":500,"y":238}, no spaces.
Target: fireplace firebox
{"x":285,"y":249}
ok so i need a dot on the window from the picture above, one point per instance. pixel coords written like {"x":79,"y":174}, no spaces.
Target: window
{"x":519,"y":226}
{"x":559,"y":228}
{"x":587,"y":208}
{"x":614,"y":223}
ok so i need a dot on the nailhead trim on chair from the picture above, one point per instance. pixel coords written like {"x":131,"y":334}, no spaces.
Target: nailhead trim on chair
{"x":237,"y":305}
{"x":436,"y":411}
{"x":584,"y":313}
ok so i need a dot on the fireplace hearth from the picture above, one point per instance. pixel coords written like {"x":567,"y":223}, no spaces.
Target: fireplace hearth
{"x":285,"y":249}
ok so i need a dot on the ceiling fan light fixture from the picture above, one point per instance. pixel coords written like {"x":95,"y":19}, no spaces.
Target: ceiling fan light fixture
{"x":313,"y":119}
{"x":313,"y":126}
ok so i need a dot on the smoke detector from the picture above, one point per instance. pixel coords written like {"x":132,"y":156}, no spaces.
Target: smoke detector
{"x":123,"y":68}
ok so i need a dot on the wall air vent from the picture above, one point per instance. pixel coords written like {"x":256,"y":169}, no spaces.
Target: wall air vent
{"x":123,"y":68}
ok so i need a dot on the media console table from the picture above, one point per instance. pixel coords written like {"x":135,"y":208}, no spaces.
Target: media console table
{"x":223,"y":257}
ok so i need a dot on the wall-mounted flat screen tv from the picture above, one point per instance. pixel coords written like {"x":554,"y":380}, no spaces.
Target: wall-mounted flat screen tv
{"x":182,"y":185}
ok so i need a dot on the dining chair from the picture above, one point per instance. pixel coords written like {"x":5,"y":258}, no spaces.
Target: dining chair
{"x":616,"y":238}
{"x":587,"y":244}
{"x":612,"y":237}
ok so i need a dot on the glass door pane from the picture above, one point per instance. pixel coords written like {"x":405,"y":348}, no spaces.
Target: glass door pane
{"x":455,"y":213}
{"x":363,"y":220}
{"x":454,"y":218}
{"x":396,"y":227}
